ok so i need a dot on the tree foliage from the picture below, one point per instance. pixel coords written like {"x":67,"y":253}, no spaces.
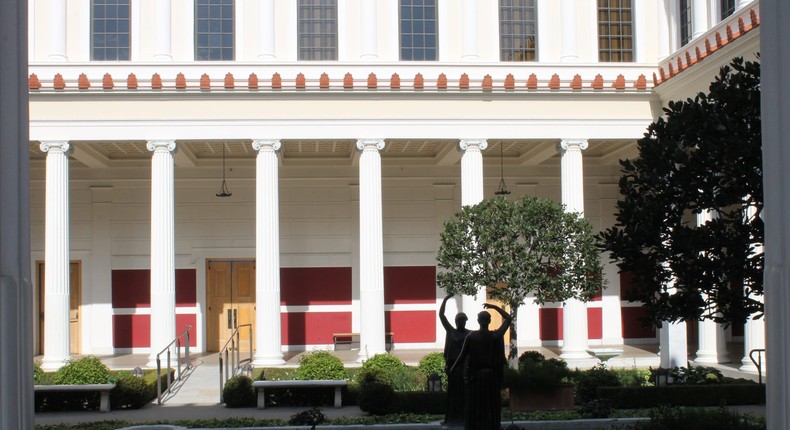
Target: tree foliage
{"x":704,"y":155}
{"x":514,"y":249}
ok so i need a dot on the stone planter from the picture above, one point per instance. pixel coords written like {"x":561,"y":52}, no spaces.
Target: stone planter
{"x":560,"y":397}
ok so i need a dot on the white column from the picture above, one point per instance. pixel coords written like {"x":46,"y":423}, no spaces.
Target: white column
{"x":612,"y":317}
{"x":574,"y":313}
{"x":266,"y":30}
{"x":371,"y":250}
{"x":472,"y":194}
{"x":673,"y":350}
{"x":712,"y":339}
{"x":569,"y":9}
{"x":699,"y":17}
{"x":56,"y":255}
{"x":741,"y":3}
{"x":99,"y":330}
{"x":16,"y":291}
{"x":163,"y":270}
{"x":664,"y":38}
{"x":469,"y":39}
{"x":753,"y":330}
{"x":369,"y":31}
{"x":57,"y":30}
{"x":267,"y":255}
{"x":163,"y":31}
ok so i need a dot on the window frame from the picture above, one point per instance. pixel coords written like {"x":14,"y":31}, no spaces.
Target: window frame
{"x":685,"y":24}
{"x":607,"y":54}
{"x":424,"y":48}
{"x":727,"y":8}
{"x":221,"y":33}
{"x":117,"y":33}
{"x":513,"y":36}
{"x":307,"y":53}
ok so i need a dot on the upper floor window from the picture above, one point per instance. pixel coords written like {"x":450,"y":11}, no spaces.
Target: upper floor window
{"x":726,"y":8}
{"x":685,"y":22}
{"x":317,"y":29}
{"x":517,"y":30}
{"x":418,"y":30}
{"x":213,"y":30}
{"x":615,"y":31}
{"x":110,"y":30}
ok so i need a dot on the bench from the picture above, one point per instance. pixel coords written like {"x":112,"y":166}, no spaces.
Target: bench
{"x":260,"y":386}
{"x":102,"y":389}
{"x":351,"y":340}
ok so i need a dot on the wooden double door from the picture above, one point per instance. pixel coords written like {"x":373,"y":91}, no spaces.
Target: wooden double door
{"x":75,"y":306}
{"x":230,"y":297}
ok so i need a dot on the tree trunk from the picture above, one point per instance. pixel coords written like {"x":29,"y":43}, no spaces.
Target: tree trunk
{"x":512,"y":354}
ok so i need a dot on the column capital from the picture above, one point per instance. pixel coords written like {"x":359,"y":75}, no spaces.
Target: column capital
{"x":468,"y":143}
{"x":363,"y":143}
{"x":266,"y":144}
{"x":566,"y":144}
{"x":55,"y":145}
{"x":161,"y":145}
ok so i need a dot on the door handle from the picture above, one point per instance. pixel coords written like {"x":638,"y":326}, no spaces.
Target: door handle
{"x":235,"y":322}
{"x":230,"y":319}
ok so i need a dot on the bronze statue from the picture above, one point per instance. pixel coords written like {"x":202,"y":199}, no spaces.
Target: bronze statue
{"x":453,"y":342}
{"x":483,"y":359}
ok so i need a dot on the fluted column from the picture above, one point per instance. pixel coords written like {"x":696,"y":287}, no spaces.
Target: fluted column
{"x":569,"y":9}
{"x":163,"y":31}
{"x":369,"y":31}
{"x":662,"y":16}
{"x":472,"y":194}
{"x":266,"y":34}
{"x":753,"y":330}
{"x":574,"y":313}
{"x":371,"y":250}
{"x":267,"y":255}
{"x":469,"y":39}
{"x":57,"y":30}
{"x":711,"y":336}
{"x":699,"y":17}
{"x":56,"y":256}
{"x":163,"y":270}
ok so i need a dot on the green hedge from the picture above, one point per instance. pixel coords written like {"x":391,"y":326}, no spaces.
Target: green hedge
{"x":684,"y":395}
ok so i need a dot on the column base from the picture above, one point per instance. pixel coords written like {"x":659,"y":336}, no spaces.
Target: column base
{"x":706,"y":357}
{"x":261,"y":360}
{"x":50,"y":363}
{"x":365,"y":355}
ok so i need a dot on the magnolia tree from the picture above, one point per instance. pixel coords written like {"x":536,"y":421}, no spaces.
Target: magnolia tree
{"x":530,"y":247}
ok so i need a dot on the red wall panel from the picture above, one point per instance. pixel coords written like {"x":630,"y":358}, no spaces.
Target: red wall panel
{"x":132,"y":288}
{"x":186,"y":287}
{"x":301,"y":286}
{"x":411,"y":326}
{"x":633,"y":328}
{"x":131,"y":331}
{"x":550,"y":323}
{"x":183,"y":320}
{"x":410,"y":284}
{"x":594,"y":323}
{"x":301,"y":328}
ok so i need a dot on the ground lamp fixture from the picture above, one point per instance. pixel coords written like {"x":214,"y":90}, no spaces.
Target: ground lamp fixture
{"x":223,"y":189}
{"x":434,"y":382}
{"x":502,"y":191}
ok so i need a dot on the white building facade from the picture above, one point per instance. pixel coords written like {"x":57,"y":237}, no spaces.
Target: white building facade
{"x":346,"y":132}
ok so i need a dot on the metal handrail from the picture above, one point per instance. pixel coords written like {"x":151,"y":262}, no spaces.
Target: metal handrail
{"x":230,"y":365}
{"x":177,"y":342}
{"x":759,"y":362}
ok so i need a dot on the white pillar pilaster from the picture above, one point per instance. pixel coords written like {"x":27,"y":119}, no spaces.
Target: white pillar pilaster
{"x":673,"y":350}
{"x":472,"y":194}
{"x":268,"y":337}
{"x":163,"y":31}
{"x":266,"y":33}
{"x":699,"y":17}
{"x":369,"y":31}
{"x":574,"y":313}
{"x":569,"y":9}
{"x":371,"y":250}
{"x":469,"y":39}
{"x":56,"y":256}
{"x":711,"y":336}
{"x":57,"y":30}
{"x":753,"y":330}
{"x":163,"y":270}
{"x":664,"y":38}
{"x":99,"y":331}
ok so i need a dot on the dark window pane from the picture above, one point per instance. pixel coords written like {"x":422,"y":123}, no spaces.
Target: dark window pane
{"x":517,"y":30}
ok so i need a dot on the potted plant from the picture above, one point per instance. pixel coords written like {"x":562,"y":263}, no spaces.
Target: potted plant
{"x":539,"y":383}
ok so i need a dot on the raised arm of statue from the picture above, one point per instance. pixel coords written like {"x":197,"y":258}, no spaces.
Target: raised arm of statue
{"x":445,"y":323}
{"x":506,"y":318}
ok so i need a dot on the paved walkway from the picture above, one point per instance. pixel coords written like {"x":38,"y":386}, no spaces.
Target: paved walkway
{"x":197,"y":397}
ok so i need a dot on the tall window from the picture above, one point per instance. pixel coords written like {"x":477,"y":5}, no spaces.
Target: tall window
{"x":213,"y":30}
{"x":517,"y":30}
{"x":615,"y":31}
{"x":418,"y":30}
{"x":685,"y":22}
{"x":110,"y":30}
{"x":727,"y":8}
{"x":317,"y":29}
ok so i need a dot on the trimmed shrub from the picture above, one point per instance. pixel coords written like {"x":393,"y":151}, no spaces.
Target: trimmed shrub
{"x":699,"y":419}
{"x":588,"y":381}
{"x":684,"y":395}
{"x":698,"y":375}
{"x":386,"y":369}
{"x":433,"y":363}
{"x":310,"y":417}
{"x":598,"y":408}
{"x":131,"y":392}
{"x":238,"y":392}
{"x":420,"y":402}
{"x":536,"y":372}
{"x":320,"y":365}
{"x":376,"y":398}
{"x":84,"y":370}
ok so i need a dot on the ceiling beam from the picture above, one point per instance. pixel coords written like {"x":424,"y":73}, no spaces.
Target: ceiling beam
{"x":184,"y":157}
{"x":90,"y":156}
{"x":450,"y":156}
{"x":625,"y":150}
{"x":541,"y":152}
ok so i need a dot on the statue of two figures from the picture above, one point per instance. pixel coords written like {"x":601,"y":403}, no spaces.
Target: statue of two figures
{"x":474,"y":363}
